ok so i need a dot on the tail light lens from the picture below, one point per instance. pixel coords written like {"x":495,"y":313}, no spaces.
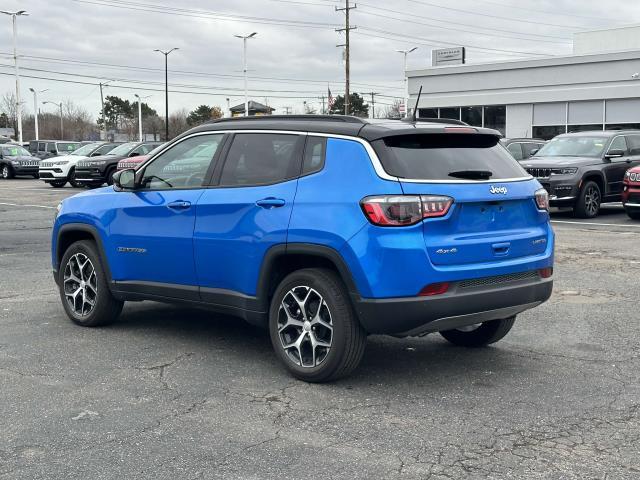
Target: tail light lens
{"x":546,"y":272}
{"x":542,"y":199}
{"x":403,"y":210}
{"x":434,"y":289}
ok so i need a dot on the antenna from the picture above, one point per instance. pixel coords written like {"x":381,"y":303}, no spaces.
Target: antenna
{"x":415,"y":109}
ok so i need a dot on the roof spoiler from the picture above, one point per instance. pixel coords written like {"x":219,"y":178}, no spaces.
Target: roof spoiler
{"x":309,"y":118}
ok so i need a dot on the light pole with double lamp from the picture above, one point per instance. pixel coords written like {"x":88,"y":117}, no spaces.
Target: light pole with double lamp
{"x":244,"y":50}
{"x":166,"y":91}
{"x":61,"y":125}
{"x":406,"y":82}
{"x":14,"y":16}
{"x":35,"y":108}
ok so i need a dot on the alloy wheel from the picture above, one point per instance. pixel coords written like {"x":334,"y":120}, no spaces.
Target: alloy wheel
{"x":5,"y":172}
{"x":592,"y":200}
{"x":80,"y":284}
{"x":305,"y":327}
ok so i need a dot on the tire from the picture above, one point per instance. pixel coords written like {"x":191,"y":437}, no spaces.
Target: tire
{"x":589,"y":199}
{"x":633,"y":214}
{"x":325,"y":301}
{"x":89,"y":281}
{"x":72,"y":179}
{"x":485,"y":334}
{"x":37,"y":177}
{"x":6,"y":172}
{"x":110,"y":176}
{"x":58,"y":183}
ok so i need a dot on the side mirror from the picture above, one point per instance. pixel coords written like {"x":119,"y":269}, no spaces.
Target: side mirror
{"x":534,"y":151}
{"x":615,"y":153}
{"x":96,"y":154}
{"x":125,"y":179}
{"x":134,"y":154}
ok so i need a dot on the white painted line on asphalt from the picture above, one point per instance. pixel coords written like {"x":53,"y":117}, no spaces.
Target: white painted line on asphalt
{"x":22,"y":205}
{"x":623,"y":225}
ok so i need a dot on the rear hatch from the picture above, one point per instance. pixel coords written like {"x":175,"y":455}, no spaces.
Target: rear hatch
{"x":494,"y":215}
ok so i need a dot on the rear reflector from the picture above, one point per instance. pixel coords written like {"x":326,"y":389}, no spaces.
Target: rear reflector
{"x":434,"y":289}
{"x":546,"y":272}
{"x":403,"y":210}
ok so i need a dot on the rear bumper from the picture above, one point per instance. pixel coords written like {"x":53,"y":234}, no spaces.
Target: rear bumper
{"x":460,"y":306}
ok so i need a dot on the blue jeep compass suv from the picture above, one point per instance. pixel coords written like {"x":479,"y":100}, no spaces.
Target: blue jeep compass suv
{"x":323,"y":229}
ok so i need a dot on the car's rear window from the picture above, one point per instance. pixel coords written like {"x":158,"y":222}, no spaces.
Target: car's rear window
{"x":454,"y":156}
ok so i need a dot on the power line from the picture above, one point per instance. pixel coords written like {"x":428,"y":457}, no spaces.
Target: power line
{"x":491,"y":15}
{"x":537,"y":10}
{"x":184,"y":72}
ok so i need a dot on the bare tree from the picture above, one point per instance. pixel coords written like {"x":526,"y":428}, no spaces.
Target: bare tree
{"x":9,"y":108}
{"x":393,"y":110}
{"x":178,"y":122}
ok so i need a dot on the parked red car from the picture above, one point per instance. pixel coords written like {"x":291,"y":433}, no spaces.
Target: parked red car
{"x":631,"y":193}
{"x":132,"y":162}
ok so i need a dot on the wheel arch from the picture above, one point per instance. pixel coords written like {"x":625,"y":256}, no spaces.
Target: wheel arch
{"x":282,"y":260}
{"x":598,"y":178}
{"x":73,"y":232}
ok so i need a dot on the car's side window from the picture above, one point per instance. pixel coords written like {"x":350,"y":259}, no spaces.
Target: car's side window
{"x":530,"y":147}
{"x":184,"y":165}
{"x":51,"y":148}
{"x":261,"y":158}
{"x":102,"y":150}
{"x":314,"y":154}
{"x":42,"y":147}
{"x":619,"y":143}
{"x":516,"y":150}
{"x":634,"y":144}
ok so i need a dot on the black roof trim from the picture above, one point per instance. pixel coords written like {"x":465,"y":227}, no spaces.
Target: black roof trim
{"x":305,"y":118}
{"x":447,"y":121}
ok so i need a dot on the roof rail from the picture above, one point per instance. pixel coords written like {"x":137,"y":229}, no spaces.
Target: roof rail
{"x":305,"y":118}
{"x":449,"y":121}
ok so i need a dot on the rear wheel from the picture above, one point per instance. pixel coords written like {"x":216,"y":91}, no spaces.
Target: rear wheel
{"x":480,"y":334}
{"x":588,"y":204}
{"x":110,"y":176}
{"x":6,"y":172}
{"x":84,"y":290}
{"x":58,"y":183}
{"x":313,"y":328}
{"x":633,"y":214}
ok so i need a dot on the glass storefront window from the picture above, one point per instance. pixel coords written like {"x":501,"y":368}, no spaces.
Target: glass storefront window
{"x":547,"y":132}
{"x":495,"y":116}
{"x":451,"y":113}
{"x":472,"y":116}
{"x":584,"y":128}
{"x":428,"y":112}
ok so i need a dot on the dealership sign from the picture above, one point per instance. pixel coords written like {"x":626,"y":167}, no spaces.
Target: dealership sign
{"x":448,"y":56}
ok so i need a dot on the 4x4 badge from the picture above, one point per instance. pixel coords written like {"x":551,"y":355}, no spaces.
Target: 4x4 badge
{"x":495,"y":190}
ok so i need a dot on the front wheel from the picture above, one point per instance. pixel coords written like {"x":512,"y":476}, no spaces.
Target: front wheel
{"x":6,"y":172}
{"x":72,"y":179}
{"x":84,"y":289}
{"x":480,"y":334}
{"x":589,"y":199}
{"x":313,"y":327}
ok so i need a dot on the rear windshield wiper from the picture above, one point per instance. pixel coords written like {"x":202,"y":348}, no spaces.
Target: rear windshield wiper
{"x":472,"y":174}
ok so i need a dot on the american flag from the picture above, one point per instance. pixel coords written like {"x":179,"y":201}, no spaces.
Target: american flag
{"x":330,"y":99}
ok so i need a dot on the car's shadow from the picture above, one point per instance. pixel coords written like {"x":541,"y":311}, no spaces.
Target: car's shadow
{"x":606,"y":210}
{"x":388,"y":360}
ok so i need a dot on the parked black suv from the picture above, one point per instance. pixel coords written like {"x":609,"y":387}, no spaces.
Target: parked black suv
{"x":582,"y":170}
{"x":522,"y":148}
{"x":95,"y":171}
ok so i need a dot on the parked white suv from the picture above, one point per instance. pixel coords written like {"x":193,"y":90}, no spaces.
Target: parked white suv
{"x":57,"y":171}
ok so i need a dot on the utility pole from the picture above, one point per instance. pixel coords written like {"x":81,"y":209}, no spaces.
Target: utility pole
{"x":373,"y":103}
{"x":347,"y":28}
{"x":35,"y":108}
{"x":14,"y":16}
{"x":287,"y":110}
{"x":321,"y":97}
{"x":166,"y":91}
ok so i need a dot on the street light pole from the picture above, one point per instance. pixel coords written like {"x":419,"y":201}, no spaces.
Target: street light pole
{"x":166,"y":91}
{"x":244,"y":49}
{"x":59,"y":105}
{"x":14,"y":15}
{"x":406,"y":80}
{"x":35,"y":109}
{"x":140,"y":114}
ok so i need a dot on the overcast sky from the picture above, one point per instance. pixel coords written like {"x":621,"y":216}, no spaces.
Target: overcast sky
{"x":291,"y":59}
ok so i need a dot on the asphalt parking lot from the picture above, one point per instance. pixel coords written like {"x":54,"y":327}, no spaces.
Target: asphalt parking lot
{"x":175,"y":393}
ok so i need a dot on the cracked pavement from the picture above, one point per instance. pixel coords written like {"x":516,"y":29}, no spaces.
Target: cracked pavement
{"x":177,"y":393}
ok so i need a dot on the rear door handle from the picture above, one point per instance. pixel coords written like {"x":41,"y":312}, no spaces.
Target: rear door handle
{"x":179,"y":205}
{"x":501,"y":248}
{"x":271,"y":202}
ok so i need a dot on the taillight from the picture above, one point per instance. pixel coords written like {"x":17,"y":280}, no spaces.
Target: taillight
{"x":542,"y":199}
{"x":546,"y":272}
{"x":403,"y":210}
{"x":434,"y":289}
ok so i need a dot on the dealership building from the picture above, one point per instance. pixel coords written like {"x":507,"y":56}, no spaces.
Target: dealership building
{"x":596,"y":88}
